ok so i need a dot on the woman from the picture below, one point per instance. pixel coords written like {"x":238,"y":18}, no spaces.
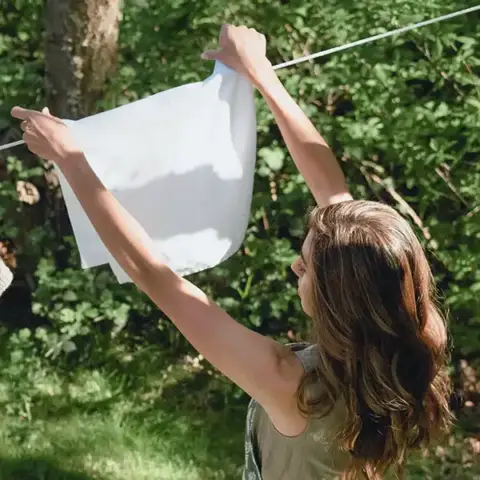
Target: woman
{"x":372,"y":384}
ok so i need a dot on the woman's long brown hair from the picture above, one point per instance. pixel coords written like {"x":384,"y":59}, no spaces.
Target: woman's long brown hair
{"x":381,"y":340}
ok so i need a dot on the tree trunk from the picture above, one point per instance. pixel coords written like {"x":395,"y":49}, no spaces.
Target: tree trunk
{"x":80,"y":53}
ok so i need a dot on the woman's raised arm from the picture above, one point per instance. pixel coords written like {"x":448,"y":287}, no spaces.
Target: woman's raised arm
{"x":244,"y":50}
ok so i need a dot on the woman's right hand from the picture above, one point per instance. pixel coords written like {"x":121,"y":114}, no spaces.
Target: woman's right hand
{"x":45,"y":135}
{"x":244,"y":50}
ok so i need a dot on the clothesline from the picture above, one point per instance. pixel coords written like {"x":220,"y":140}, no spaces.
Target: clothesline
{"x":341,"y":48}
{"x":376,"y":37}
{"x":11,"y":145}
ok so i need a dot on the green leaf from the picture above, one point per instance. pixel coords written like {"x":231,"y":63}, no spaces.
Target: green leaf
{"x":274,"y":157}
{"x":67,"y":315}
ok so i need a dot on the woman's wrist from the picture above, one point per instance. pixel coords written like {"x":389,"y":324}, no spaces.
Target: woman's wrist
{"x":263,"y":75}
{"x":69,"y":159}
{"x":270,"y":86}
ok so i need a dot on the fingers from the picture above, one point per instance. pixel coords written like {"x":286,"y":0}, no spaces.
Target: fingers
{"x":46,"y":113}
{"x":29,"y":139}
{"x":21,"y":113}
{"x":212,"y":55}
{"x":25,"y":114}
{"x":232,"y":33}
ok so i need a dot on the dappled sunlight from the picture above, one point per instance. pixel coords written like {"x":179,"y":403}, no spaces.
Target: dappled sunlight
{"x":93,"y":422}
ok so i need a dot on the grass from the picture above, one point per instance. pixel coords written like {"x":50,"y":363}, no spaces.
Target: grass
{"x":164,"y":423}
{"x":137,"y":418}
{"x":104,"y":446}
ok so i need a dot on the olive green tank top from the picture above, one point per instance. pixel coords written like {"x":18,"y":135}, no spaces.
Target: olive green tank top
{"x":312,"y":455}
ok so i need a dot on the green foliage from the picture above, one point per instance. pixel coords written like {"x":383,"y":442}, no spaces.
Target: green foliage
{"x":401,"y":114}
{"x":75,"y":301}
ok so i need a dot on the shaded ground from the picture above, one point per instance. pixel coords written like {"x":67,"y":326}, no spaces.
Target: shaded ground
{"x":149,"y":418}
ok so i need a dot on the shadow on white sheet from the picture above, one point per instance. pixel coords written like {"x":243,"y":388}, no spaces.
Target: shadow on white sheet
{"x":182,"y":163}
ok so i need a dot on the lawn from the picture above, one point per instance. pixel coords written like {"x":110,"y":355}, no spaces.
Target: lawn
{"x":141,"y":417}
{"x":118,"y":422}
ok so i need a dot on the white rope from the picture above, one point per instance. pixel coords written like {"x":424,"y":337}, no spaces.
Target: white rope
{"x":11,"y":145}
{"x":375,"y":37}
{"x":340,"y":48}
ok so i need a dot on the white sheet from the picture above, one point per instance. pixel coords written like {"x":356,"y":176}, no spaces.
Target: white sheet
{"x":182,"y":163}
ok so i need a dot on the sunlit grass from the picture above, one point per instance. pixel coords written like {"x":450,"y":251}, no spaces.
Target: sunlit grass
{"x":147,"y":418}
{"x":101,"y":446}
{"x":104,"y":424}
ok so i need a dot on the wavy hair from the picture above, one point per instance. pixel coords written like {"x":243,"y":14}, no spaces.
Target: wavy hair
{"x":381,"y":339}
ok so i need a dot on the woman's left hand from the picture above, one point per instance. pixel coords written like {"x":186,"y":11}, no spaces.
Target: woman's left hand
{"x":45,"y":135}
{"x":245,"y":50}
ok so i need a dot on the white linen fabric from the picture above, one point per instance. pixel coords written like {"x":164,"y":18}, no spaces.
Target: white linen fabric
{"x":182,"y":163}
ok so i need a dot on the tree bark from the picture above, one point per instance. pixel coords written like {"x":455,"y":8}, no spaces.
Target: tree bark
{"x":80,"y":53}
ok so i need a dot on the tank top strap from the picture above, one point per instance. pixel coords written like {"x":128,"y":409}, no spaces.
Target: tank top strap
{"x":306,"y":353}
